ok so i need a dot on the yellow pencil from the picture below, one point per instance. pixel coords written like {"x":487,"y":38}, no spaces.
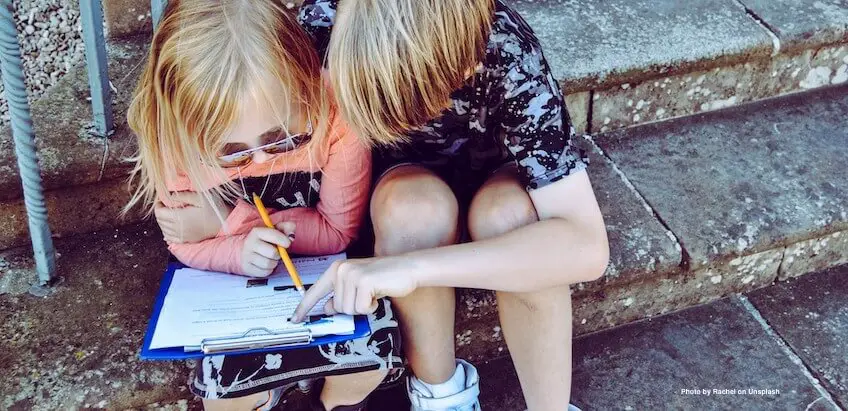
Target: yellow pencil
{"x":283,"y":253}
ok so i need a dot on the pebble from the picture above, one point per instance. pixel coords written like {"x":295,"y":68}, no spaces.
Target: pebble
{"x":49,"y":35}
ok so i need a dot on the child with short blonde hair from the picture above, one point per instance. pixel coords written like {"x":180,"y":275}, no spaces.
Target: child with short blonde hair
{"x":231,"y":103}
{"x":475,"y":145}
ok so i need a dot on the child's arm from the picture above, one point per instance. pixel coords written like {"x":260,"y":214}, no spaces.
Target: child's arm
{"x":249,"y":249}
{"x":567,"y":245}
{"x":328,"y":228}
{"x":335,"y":221}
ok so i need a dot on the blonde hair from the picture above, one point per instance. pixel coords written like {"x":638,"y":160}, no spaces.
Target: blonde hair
{"x":207,"y":58}
{"x":394,"y":63}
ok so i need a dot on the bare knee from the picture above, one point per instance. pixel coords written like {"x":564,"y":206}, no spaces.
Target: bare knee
{"x":349,"y":389}
{"x":413,"y":209}
{"x":502,"y":205}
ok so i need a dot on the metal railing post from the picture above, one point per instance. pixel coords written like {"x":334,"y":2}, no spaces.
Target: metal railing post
{"x":157,"y":7}
{"x":25,"y":150}
{"x":91,"y":17}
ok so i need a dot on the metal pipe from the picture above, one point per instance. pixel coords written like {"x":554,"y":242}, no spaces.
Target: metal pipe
{"x":91,"y":17}
{"x":25,"y":150}
{"x":157,"y":7}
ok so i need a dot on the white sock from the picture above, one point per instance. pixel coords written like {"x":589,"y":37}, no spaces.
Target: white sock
{"x":450,"y":387}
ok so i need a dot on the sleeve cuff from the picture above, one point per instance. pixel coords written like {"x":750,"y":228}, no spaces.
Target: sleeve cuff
{"x":571,"y":162}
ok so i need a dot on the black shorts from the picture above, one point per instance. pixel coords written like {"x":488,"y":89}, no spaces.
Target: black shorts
{"x":462,"y":179}
{"x":233,"y":376}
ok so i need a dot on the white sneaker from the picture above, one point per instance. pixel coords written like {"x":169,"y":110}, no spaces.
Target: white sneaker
{"x":457,"y":394}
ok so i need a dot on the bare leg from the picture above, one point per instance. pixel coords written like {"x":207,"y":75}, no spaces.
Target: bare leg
{"x":413,"y":209}
{"x":236,"y":404}
{"x":537,"y":325}
{"x":350,"y":389}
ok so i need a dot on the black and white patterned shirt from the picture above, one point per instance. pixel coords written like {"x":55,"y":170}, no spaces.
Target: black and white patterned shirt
{"x":510,"y":109}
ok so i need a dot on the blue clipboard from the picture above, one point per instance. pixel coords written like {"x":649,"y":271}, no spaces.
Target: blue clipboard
{"x":362,"y":329}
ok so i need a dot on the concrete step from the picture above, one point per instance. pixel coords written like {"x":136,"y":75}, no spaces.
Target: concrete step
{"x":745,"y":342}
{"x":621,"y":63}
{"x":84,"y":176}
{"x":626,"y":62}
{"x":696,"y":209}
{"x":701,"y":207}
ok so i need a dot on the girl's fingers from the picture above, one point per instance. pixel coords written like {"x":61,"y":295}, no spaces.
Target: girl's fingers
{"x":258,"y":272}
{"x":167,"y":231}
{"x":171,"y":238}
{"x":188,"y":198}
{"x":271,"y":235}
{"x":287,"y":227}
{"x":164,"y":216}
{"x":171,"y":235}
{"x":254,"y":271}
{"x":266,"y":250}
{"x":263,"y":263}
{"x":159,"y":207}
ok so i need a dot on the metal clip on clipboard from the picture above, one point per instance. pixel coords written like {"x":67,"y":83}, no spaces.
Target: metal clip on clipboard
{"x":257,"y":338}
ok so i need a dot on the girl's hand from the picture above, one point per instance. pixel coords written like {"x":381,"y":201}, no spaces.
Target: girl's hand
{"x":194,"y":221}
{"x":259,"y":256}
{"x":357,"y":284}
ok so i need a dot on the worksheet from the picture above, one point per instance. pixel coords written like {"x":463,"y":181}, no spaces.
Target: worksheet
{"x":206,"y":305}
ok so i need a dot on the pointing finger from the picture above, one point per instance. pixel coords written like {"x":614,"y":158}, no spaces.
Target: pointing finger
{"x":315,"y":293}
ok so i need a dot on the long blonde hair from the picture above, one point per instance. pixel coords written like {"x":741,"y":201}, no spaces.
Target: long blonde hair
{"x":394,"y":63}
{"x":207,"y":58}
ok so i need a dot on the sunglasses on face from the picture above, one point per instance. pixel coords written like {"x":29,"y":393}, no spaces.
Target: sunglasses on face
{"x":275,"y":141}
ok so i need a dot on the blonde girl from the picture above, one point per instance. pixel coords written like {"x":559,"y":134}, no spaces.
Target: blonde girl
{"x":231,"y":103}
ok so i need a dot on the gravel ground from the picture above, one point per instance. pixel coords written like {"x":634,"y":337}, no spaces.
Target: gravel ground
{"x":50,"y":36}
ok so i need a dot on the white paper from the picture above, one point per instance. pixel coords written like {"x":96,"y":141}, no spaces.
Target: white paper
{"x":202,"y":304}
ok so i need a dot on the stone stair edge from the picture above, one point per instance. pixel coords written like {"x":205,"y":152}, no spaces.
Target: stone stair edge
{"x":590,"y":143}
{"x":623,"y":63}
{"x":602,"y":305}
{"x":648,"y":73}
{"x":787,"y":249}
{"x":714,"y":262}
{"x":624,"y":148}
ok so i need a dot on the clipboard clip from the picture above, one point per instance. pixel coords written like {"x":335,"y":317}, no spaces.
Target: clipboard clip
{"x":257,"y":338}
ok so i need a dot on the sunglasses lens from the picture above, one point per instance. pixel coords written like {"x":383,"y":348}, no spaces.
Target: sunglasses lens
{"x":233,"y":160}
{"x":282,"y":145}
{"x":276,"y":149}
{"x":287,"y":144}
